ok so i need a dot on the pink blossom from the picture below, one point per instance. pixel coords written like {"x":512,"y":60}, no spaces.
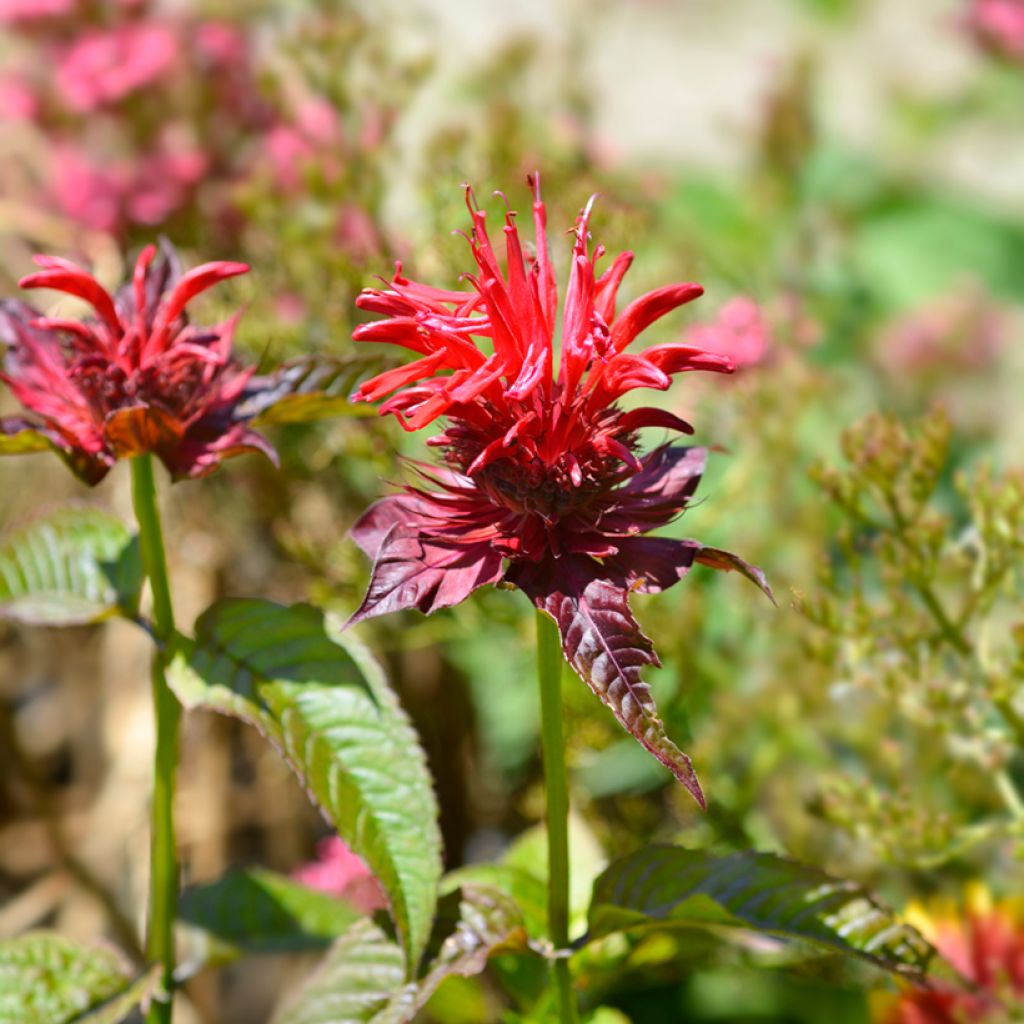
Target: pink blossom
{"x":103,"y":67}
{"x":355,"y":233}
{"x":17,"y":101}
{"x":339,"y":872}
{"x":12,"y":11}
{"x":221,"y":43}
{"x":738,"y":332}
{"x":85,"y":192}
{"x":999,"y":26}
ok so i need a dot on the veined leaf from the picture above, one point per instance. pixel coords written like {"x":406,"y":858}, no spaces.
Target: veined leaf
{"x":666,"y":885}
{"x":47,"y":979}
{"x":311,"y":388}
{"x":341,"y":730}
{"x":361,"y":981}
{"x":259,"y":911}
{"x":77,"y":565}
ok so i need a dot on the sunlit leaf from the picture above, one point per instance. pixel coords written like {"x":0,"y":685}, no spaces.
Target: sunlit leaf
{"x":325,"y":705}
{"x":19,"y":437}
{"x":259,"y":911}
{"x":74,"y":566}
{"x":361,"y":980}
{"x":666,"y":885}
{"x":47,"y":979}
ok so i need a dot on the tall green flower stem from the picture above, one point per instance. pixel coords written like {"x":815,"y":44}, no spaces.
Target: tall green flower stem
{"x":549,"y":674}
{"x":163,"y":885}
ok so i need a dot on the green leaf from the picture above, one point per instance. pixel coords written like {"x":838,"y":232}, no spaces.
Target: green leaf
{"x":324,"y":703}
{"x":311,"y":388}
{"x":666,"y":885}
{"x":361,"y":980}
{"x":19,"y":437}
{"x":260,"y":911}
{"x":77,"y":565}
{"x":47,"y":979}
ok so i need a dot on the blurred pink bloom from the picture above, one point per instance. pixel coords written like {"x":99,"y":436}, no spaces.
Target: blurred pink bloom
{"x":355,"y":233}
{"x":739,"y":332}
{"x":289,"y":308}
{"x":103,"y":67}
{"x":31,"y":10}
{"x":959,"y":332}
{"x":17,"y":101}
{"x":339,"y":872}
{"x":999,"y":26}
{"x":85,"y":192}
{"x":221,"y":43}
{"x":290,"y":147}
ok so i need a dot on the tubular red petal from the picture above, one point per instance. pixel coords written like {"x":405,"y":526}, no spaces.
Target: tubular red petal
{"x":635,"y":419}
{"x":607,"y":287}
{"x":642,"y":312}
{"x":672,"y":359}
{"x":66,"y":277}
{"x":197,"y":280}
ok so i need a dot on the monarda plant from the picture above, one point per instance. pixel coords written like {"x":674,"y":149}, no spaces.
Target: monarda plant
{"x":544,"y":485}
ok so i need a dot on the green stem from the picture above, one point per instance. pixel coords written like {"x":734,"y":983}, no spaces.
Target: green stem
{"x":163,"y":885}
{"x":549,"y":674}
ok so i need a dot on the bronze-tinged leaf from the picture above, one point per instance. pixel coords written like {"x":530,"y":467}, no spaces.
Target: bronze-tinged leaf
{"x":726,"y":561}
{"x":140,"y":428}
{"x":604,"y":644}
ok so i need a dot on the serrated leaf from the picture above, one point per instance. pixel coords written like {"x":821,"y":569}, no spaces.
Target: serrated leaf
{"x":607,"y":649}
{"x":361,"y":982}
{"x":667,"y":885}
{"x":311,"y":388}
{"x":340,"y":729}
{"x":259,"y":911}
{"x":47,"y":979}
{"x":74,"y":566}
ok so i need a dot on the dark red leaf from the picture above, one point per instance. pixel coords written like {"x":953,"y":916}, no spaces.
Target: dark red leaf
{"x":604,"y":644}
{"x":416,"y":572}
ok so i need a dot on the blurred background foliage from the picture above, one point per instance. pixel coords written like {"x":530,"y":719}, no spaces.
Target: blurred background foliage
{"x":850,"y":167}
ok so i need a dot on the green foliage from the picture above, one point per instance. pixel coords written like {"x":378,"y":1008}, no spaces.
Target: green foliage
{"x":361,"y":979}
{"x":74,"y":566}
{"x":918,"y":615}
{"x":47,"y":979}
{"x":667,"y":885}
{"x":258,"y":911}
{"x":339,"y":727}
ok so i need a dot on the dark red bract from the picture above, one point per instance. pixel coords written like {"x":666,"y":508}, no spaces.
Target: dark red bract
{"x":543,"y":484}
{"x":137,"y":377}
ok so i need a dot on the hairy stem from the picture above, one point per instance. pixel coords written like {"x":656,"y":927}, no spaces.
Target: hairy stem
{"x":549,"y":675}
{"x":163,"y":886}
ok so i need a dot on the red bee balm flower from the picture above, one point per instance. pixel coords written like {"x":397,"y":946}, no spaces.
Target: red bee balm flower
{"x":543,"y":486}
{"x":135,"y":378}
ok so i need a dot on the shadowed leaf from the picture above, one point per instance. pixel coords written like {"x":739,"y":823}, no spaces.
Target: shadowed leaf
{"x":259,"y":911}
{"x":314,"y":387}
{"x":324,"y":703}
{"x":666,"y":885}
{"x":74,"y":566}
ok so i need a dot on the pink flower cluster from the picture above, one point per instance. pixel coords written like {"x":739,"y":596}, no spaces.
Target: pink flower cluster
{"x":143,"y":110}
{"x":739,"y":332}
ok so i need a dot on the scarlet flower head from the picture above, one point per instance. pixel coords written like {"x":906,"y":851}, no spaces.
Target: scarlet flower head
{"x":543,"y":485}
{"x":984,"y":941}
{"x":136,"y":377}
